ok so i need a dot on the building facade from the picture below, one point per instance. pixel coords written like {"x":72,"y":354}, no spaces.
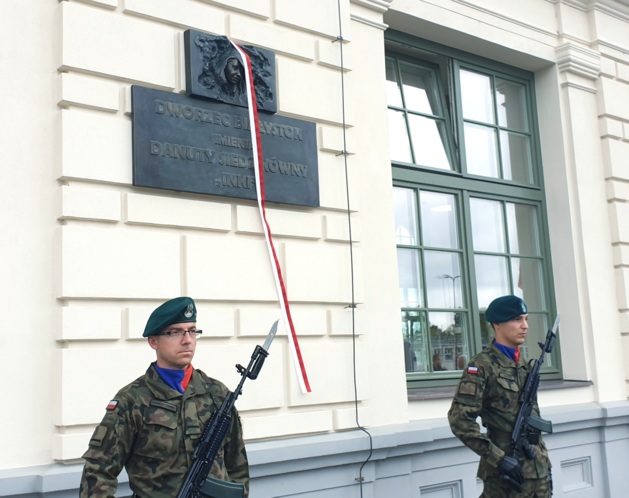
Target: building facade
{"x":465,"y":150}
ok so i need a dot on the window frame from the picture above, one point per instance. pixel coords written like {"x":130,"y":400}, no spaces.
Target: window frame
{"x":499,"y":72}
{"x":464,"y":185}
{"x":450,"y":146}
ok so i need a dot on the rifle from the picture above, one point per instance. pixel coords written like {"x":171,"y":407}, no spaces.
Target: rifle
{"x":525,"y":422}
{"x":196,"y":480}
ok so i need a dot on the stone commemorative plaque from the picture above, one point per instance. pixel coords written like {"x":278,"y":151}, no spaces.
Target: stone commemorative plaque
{"x":194,"y":145}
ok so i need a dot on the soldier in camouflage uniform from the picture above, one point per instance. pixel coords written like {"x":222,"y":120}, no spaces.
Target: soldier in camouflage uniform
{"x":489,"y":388}
{"x":152,"y":425}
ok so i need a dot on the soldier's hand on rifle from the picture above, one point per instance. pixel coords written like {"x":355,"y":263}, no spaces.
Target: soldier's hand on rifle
{"x":527,"y":447}
{"x":510,"y":471}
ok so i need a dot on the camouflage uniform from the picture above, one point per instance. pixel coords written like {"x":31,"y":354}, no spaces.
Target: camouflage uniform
{"x":489,"y":388}
{"x":152,"y":432}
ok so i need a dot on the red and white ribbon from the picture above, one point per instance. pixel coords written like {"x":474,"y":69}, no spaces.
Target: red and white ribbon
{"x":258,"y":165}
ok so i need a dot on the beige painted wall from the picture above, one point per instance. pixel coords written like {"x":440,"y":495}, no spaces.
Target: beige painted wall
{"x":123,"y":250}
{"x":86,"y":256}
{"x":28,"y":194}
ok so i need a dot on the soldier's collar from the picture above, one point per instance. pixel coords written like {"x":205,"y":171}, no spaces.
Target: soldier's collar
{"x":500,"y":356}
{"x":508,"y":351}
{"x":158,"y":387}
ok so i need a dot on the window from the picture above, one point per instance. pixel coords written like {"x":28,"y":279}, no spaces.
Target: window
{"x":417,"y":117}
{"x":469,"y":205}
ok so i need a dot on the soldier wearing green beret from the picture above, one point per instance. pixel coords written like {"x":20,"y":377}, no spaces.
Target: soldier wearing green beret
{"x":152,"y":425}
{"x":490,"y":388}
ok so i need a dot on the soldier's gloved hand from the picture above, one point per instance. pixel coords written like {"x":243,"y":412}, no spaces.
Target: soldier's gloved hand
{"x":510,"y":471}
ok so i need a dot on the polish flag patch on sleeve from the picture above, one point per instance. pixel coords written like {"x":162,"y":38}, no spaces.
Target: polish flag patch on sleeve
{"x":472,"y":370}
{"x":112,"y":405}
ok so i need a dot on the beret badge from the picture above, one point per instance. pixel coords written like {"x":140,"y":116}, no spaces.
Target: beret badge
{"x":189,"y":311}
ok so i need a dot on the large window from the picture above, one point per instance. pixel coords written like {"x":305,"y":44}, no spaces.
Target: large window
{"x":469,"y":204}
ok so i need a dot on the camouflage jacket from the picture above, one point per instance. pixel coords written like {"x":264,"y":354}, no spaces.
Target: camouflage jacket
{"x":489,"y":388}
{"x":151,"y":430}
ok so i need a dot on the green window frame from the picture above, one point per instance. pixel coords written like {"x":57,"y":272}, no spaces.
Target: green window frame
{"x":469,"y":203}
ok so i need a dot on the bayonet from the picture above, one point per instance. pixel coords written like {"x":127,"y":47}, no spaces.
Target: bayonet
{"x":270,"y":336}
{"x":556,"y":325}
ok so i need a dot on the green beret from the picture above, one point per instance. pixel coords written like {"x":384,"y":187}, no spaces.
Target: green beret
{"x":505,"y":308}
{"x":177,"y":310}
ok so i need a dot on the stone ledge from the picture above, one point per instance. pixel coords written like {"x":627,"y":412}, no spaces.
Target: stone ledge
{"x":443,"y":392}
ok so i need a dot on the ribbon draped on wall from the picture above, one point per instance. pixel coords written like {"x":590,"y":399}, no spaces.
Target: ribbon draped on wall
{"x":258,"y":162}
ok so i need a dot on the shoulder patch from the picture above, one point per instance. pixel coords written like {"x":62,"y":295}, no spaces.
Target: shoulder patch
{"x":111,"y":406}
{"x":467,"y":388}
{"x":471,"y":369}
{"x":98,"y":437}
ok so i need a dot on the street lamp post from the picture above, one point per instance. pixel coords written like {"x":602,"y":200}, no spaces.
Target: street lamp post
{"x":453,"y":278}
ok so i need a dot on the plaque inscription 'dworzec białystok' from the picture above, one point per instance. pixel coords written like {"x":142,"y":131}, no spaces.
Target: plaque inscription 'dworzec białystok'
{"x":195,"y":145}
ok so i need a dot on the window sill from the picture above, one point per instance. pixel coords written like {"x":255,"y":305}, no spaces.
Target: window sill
{"x":420,"y":394}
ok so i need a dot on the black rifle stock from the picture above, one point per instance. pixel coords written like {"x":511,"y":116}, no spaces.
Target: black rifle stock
{"x":196,"y":479}
{"x":525,"y":421}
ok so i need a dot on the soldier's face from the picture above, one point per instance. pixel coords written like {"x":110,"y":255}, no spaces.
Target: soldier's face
{"x":175,"y":352}
{"x":512,"y":333}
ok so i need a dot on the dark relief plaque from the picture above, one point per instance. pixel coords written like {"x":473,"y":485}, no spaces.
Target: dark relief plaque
{"x":214,"y":71}
{"x":194,"y":145}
